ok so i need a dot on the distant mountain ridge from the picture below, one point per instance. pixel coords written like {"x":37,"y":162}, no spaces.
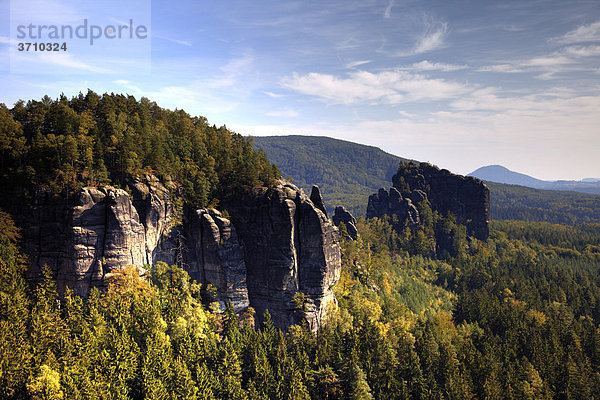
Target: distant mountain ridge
{"x":500,"y":174}
{"x":348,"y":173}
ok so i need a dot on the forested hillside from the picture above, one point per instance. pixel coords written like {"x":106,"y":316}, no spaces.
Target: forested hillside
{"x":514,"y":317}
{"x":92,"y":139}
{"x":559,"y":207}
{"x":347,"y":173}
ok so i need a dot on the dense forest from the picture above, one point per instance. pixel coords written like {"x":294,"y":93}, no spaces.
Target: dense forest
{"x":515,"y":317}
{"x":558,"y":207}
{"x":92,"y":140}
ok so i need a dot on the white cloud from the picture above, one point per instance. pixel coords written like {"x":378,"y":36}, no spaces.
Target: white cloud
{"x":429,"y":66}
{"x":27,"y":61}
{"x":388,"y":10}
{"x":583,"y":33}
{"x":506,"y":68}
{"x":274,"y":95}
{"x":431,"y":40}
{"x":390,"y":87}
{"x":547,"y":66}
{"x":552,"y":61}
{"x":232,"y":71}
{"x":356,"y":63}
{"x":583,"y":51}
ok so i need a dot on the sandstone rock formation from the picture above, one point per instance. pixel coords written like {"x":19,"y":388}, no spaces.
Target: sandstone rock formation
{"x":290,"y":248}
{"x":279,"y":246}
{"x":466,"y":197}
{"x":392,"y":203}
{"x":343,"y":215}
{"x":317,"y":199}
{"x":214,"y":255}
{"x":106,"y":229}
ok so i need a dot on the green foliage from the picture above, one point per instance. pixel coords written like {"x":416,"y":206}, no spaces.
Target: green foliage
{"x":558,"y":207}
{"x":93,"y":140}
{"x":347,"y":173}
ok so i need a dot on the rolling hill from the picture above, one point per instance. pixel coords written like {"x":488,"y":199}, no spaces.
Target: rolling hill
{"x":348,"y":173}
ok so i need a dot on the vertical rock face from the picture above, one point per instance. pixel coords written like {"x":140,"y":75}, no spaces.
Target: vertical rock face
{"x":392,"y":203}
{"x":466,"y":197}
{"x":342,"y":215}
{"x":291,"y":251}
{"x":279,"y":248}
{"x":214,"y":255}
{"x":317,"y":199}
{"x":106,"y":229}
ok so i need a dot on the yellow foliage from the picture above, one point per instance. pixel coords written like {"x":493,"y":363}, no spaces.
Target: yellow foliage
{"x":46,"y":386}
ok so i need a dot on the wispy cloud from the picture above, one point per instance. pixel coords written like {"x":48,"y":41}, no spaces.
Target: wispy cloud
{"x":232,"y":71}
{"x":433,"y":38}
{"x":426,"y":65}
{"x":583,"y":51}
{"x":274,"y":95}
{"x":388,"y":87}
{"x":63,"y":60}
{"x":547,"y":66}
{"x":505,"y":68}
{"x":388,"y":10}
{"x":582,"y":34}
{"x":176,"y":41}
{"x":355,"y":64}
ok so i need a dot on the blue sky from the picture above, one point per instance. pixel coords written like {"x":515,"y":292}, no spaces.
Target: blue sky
{"x":461,"y":84}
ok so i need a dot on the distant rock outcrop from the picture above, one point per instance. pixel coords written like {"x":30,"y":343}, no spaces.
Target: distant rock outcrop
{"x":466,"y":198}
{"x":392,"y":203}
{"x":342,"y":215}
{"x":278,"y":247}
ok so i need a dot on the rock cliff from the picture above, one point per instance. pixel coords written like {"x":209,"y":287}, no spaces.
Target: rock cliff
{"x":279,"y":246}
{"x":291,"y":251}
{"x":342,"y":215}
{"x":466,"y":198}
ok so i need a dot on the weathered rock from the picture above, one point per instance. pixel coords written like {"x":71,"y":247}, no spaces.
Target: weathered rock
{"x":392,"y":203}
{"x":215,"y":256}
{"x":467,"y":198}
{"x":106,"y":229}
{"x":280,"y":246}
{"x":317,"y":199}
{"x":342,"y":215}
{"x":290,"y":248}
